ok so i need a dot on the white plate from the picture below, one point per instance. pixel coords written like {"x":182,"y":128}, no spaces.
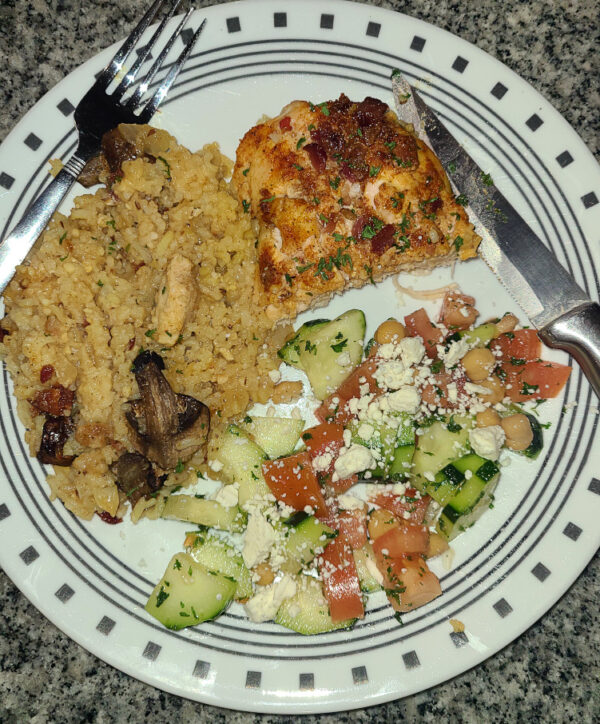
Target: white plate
{"x":92,"y":580}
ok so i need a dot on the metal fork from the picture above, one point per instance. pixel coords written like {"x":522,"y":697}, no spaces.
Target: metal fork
{"x":98,"y":112}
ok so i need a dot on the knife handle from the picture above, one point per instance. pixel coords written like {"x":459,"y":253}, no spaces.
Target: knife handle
{"x":578,"y":332}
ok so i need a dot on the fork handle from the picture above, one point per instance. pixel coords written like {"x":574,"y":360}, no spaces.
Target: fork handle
{"x":15,"y":247}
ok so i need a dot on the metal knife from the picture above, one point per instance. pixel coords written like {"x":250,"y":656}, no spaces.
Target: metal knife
{"x":562,"y":312}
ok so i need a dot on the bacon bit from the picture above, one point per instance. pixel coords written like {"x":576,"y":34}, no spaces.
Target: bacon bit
{"x":347,"y":173}
{"x":383,"y":239}
{"x":3,"y":334}
{"x":54,"y":402}
{"x":317,"y":155}
{"x":285,"y":124}
{"x":85,"y":323}
{"x":108,"y":518}
{"x":131,"y":344}
{"x":370,"y":111}
{"x":46,"y":373}
{"x":359,"y":225}
{"x":152,"y":131}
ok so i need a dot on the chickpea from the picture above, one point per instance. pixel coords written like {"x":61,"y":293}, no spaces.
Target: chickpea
{"x":390,"y":331}
{"x":380,"y":521}
{"x":518,"y":432}
{"x":487,"y":418}
{"x":496,"y":388}
{"x":506,"y":324}
{"x":478,"y":363}
{"x":265,"y":574}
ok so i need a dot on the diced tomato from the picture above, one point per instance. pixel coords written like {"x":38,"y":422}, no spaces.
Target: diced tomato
{"x":416,"y":585}
{"x":534,"y":380}
{"x":340,"y":581}
{"x":406,"y":540}
{"x":293,"y":482}
{"x":352,"y":524}
{"x":435,"y":392}
{"x":452,"y":315}
{"x":335,"y":407}
{"x":323,"y":439}
{"x":341,"y":486}
{"x":285,"y":124}
{"x":407,"y":503}
{"x":418,"y":324}
{"x":524,"y":344}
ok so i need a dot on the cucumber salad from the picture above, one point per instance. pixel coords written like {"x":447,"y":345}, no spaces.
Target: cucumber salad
{"x":307,"y":521}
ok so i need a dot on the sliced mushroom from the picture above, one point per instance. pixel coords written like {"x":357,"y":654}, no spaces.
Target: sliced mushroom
{"x":169,"y":428}
{"x":55,"y":433}
{"x":135,"y":476}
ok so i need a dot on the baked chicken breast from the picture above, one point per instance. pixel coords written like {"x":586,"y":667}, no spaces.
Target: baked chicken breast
{"x":344,"y":194}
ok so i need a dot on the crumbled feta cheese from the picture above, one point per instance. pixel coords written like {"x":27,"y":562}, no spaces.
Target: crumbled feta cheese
{"x":350,"y":502}
{"x":399,"y":489}
{"x":468,"y":474}
{"x":347,"y":438}
{"x":275,"y":376}
{"x":452,"y":392}
{"x":263,"y":606}
{"x":322,"y":462}
{"x":227,"y":496}
{"x":487,"y":441}
{"x":344,"y":360}
{"x":215,"y":465}
{"x":406,"y":399}
{"x":365,"y":431}
{"x":258,"y":540}
{"x":474,"y":389}
{"x":393,"y":375}
{"x":455,"y":352}
{"x":412,"y":350}
{"x":387,"y":351}
{"x":356,"y":459}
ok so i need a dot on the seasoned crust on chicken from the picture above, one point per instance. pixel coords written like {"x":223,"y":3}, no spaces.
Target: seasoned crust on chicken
{"x":344,"y":194}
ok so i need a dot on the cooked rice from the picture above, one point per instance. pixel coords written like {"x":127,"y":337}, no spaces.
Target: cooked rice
{"x":85,"y":303}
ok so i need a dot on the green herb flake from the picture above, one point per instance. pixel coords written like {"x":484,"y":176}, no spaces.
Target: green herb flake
{"x":246,"y":206}
{"x":167,"y":167}
{"x":149,"y":332}
{"x":301,"y":142}
{"x":324,"y":109}
{"x":487,"y":179}
{"x":339,"y":346}
{"x":267,"y":201}
{"x":180,"y":467}
{"x":245,"y":171}
{"x":461,"y":199}
{"x":335,"y":182}
{"x":374,"y":170}
{"x":161,"y":597}
{"x":458,"y":242}
{"x":62,"y":238}
{"x":528,"y":389}
{"x":298,"y":167}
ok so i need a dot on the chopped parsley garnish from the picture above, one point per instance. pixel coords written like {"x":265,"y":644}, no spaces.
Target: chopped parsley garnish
{"x":323,"y":218}
{"x":161,"y":597}
{"x":451,"y":167}
{"x":300,"y":143}
{"x":339,"y":346}
{"x":487,"y":179}
{"x":267,"y":201}
{"x":516,"y":361}
{"x":369,"y":271}
{"x":245,"y":171}
{"x":458,"y":242}
{"x":528,"y":389}
{"x":289,"y":279}
{"x":100,"y":283}
{"x":180,"y":467}
{"x":305,"y":267}
{"x":372,"y":228}
{"x":334,"y":183}
{"x":390,"y":144}
{"x":437,"y":366}
{"x":149,"y":332}
{"x":461,"y":199}
{"x":246,"y":205}
{"x":324,"y":109}
{"x":62,"y":238}
{"x":298,"y":167}
{"x":374,"y":170}
{"x":167,"y":167}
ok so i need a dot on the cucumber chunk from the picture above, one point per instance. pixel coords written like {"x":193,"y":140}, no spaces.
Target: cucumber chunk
{"x":364,"y":559}
{"x":204,"y":512}
{"x":382,"y":442}
{"x":537,"y":444}
{"x":277,"y":436}
{"x":217,"y":556}
{"x":401,"y":464}
{"x":306,"y":536}
{"x":439,"y":445}
{"x":481,"y":335}
{"x":188,"y":593}
{"x":290,"y":352}
{"x":307,"y":611}
{"x":242,"y":462}
{"x":472,"y":498}
{"x":329,"y":353}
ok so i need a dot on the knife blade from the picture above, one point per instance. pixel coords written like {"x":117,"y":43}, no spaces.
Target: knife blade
{"x":564,"y":315}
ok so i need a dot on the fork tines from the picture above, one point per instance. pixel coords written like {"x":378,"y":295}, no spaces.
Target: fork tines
{"x":116,"y":64}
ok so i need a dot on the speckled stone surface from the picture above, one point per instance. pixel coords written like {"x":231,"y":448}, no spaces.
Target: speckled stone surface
{"x":551,"y":673}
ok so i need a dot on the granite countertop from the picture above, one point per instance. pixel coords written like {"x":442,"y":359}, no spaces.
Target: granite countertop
{"x":551,"y":672}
